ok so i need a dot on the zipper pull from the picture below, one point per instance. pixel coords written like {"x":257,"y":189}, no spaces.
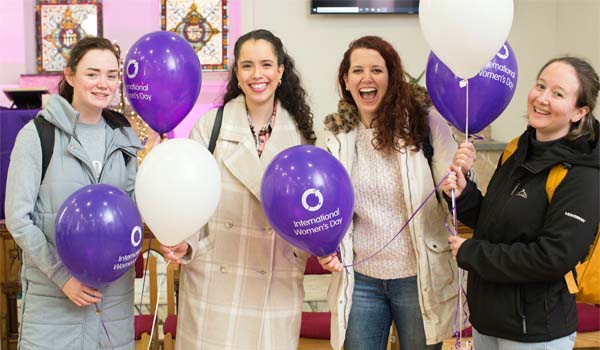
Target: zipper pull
{"x":524,"y":324}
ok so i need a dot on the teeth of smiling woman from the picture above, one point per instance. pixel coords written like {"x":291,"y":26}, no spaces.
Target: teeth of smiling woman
{"x":537,"y":110}
{"x":368,"y":92}
{"x":259,"y":86}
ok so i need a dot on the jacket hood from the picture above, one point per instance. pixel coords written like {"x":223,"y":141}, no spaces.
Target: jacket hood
{"x":580,"y":152}
{"x":59,"y":112}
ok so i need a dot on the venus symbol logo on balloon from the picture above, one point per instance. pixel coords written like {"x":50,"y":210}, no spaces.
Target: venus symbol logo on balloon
{"x":136,"y":236}
{"x":316,"y":193}
{"x":132,"y":63}
{"x":503,"y":53}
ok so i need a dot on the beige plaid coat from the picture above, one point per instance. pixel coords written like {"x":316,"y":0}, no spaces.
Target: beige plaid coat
{"x":243,"y":287}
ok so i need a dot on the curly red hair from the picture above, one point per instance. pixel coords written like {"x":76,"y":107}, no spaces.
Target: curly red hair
{"x":402,"y":113}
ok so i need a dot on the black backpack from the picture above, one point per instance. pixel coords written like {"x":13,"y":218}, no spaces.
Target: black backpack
{"x":45,"y":131}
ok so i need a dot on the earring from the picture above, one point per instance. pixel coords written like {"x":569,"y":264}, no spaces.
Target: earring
{"x":239,"y":86}
{"x":347,"y":88}
{"x":279,"y":83}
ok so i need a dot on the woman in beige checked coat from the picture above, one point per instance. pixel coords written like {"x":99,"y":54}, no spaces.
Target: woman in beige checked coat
{"x":241,"y":284}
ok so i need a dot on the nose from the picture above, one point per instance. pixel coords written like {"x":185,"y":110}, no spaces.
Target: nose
{"x":367,"y":75}
{"x":543,"y":96}
{"x":256,"y":73}
{"x":103,"y":82}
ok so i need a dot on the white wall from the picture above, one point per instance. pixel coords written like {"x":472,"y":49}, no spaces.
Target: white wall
{"x":541,"y":29}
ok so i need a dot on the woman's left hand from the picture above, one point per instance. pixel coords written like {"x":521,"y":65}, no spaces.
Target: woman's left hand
{"x":455,"y":243}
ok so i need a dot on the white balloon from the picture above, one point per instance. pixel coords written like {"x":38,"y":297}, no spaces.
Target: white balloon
{"x":177,"y":189}
{"x":466,"y":34}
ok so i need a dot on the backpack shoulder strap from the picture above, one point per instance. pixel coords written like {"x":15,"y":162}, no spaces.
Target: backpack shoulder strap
{"x":555,"y":176}
{"x":45,"y":131}
{"x":510,"y":149}
{"x":215,"y":130}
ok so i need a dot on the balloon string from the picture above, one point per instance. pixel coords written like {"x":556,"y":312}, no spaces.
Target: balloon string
{"x":156,"y":309}
{"x":403,"y":226}
{"x":99,"y":313}
{"x":467,"y":110}
{"x":460,"y":314}
{"x":145,"y":271}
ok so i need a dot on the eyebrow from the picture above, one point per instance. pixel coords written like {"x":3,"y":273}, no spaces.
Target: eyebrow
{"x":261,"y":61}
{"x":98,"y":70}
{"x":361,"y":66}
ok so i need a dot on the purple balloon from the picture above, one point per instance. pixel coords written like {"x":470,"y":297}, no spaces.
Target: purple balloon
{"x":98,"y":234}
{"x":490,"y":90}
{"x":308,"y":198}
{"x":162,"y":78}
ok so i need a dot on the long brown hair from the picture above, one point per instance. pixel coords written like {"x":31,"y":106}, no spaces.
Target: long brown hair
{"x":401,"y":113}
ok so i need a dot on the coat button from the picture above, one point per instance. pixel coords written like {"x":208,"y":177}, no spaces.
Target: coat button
{"x":224,"y":269}
{"x":228,"y":224}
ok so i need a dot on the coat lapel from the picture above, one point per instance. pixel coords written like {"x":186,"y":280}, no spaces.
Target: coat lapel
{"x":243,"y":162}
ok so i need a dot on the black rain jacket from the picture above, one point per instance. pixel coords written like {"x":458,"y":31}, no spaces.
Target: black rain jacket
{"x":523,"y":245}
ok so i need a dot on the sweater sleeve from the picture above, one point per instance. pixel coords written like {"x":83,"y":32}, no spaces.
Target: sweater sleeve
{"x":569,"y":228}
{"x":22,"y":191}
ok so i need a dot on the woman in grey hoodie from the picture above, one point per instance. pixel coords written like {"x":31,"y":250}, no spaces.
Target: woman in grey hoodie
{"x":91,"y":145}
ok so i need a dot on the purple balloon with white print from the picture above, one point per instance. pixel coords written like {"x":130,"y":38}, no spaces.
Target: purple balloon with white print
{"x":490,"y":91}
{"x":162,"y":77}
{"x":308,"y":198}
{"x":98,"y":234}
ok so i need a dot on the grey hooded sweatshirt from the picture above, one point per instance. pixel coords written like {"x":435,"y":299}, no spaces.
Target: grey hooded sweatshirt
{"x":49,"y":320}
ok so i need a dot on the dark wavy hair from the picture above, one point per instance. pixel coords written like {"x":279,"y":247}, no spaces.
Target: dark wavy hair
{"x":290,"y":93}
{"x":587,"y":95}
{"x":402,"y":113}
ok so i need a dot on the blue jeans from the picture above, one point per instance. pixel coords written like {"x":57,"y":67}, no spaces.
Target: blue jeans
{"x":375,"y":303}
{"x":492,"y":343}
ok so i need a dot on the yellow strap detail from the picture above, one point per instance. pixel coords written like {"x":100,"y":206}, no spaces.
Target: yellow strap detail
{"x":571,"y":284}
{"x":510,"y":149}
{"x":556,"y":175}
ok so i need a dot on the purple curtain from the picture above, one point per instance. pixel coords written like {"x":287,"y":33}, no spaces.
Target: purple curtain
{"x":11,"y":121}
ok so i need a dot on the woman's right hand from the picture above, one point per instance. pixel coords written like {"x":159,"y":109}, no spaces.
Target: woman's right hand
{"x":174,"y":254}
{"x":331,"y":263}
{"x":465,"y":156}
{"x":80,"y":294}
{"x":455,"y":181}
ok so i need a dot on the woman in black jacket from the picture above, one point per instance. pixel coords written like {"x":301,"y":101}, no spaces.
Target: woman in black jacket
{"x":523,"y":244}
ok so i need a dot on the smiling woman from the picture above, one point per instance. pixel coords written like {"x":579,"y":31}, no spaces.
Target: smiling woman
{"x":524,"y":243}
{"x":378,"y":134}
{"x":241,"y":284}
{"x":91,"y":145}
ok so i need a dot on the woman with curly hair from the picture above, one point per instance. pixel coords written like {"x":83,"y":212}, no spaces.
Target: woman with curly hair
{"x":241,"y":284}
{"x":381,"y":131}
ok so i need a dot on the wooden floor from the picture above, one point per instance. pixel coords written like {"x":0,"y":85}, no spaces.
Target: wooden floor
{"x":584,"y":341}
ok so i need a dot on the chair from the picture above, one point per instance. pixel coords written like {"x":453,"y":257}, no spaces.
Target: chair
{"x":315,"y":327}
{"x":143,"y":322}
{"x":170,"y":325}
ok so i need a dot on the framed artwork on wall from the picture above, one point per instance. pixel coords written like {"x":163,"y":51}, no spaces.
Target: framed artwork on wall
{"x":204,"y":24}
{"x":60,"y":24}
